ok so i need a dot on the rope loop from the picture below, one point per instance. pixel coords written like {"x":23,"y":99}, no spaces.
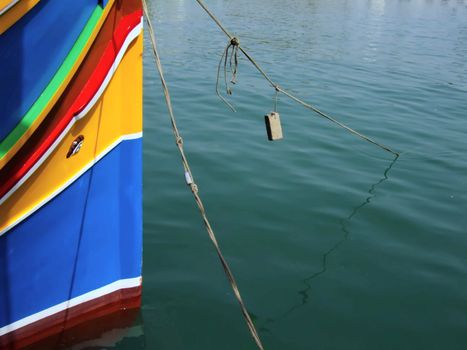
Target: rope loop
{"x":229,"y":64}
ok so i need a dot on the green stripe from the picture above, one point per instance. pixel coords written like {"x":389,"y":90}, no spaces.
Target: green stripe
{"x":51,"y":89}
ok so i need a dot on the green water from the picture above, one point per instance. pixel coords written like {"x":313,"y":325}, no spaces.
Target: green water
{"x":333,"y":244}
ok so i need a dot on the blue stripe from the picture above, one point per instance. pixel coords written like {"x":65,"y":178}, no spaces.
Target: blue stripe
{"x":32,"y":51}
{"x":49,"y":259}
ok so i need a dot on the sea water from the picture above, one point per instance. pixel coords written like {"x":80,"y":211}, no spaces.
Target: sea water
{"x":334,"y":244}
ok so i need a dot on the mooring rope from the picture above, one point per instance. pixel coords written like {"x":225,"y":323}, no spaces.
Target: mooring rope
{"x":194,"y":188}
{"x":285,"y":92}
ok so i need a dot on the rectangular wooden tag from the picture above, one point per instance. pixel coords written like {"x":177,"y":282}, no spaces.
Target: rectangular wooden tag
{"x":273,"y":126}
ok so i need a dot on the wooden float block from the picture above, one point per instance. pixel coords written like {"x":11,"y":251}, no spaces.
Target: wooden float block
{"x":273,"y":126}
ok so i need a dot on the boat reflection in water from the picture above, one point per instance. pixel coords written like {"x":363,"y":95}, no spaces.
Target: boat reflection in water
{"x":103,"y":332}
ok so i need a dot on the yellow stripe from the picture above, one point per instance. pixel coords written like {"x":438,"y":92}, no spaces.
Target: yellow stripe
{"x":22,"y":140}
{"x":15,"y":13}
{"x":118,"y":112}
{"x":5,"y":3}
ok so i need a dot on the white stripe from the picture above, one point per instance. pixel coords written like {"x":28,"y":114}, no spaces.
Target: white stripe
{"x":38,"y":163}
{"x":110,"y":288}
{"x":73,"y":179}
{"x":129,"y":39}
{"x":131,"y":36}
{"x":8,"y":6}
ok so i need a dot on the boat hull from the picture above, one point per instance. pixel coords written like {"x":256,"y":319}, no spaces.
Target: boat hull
{"x":71,"y":212}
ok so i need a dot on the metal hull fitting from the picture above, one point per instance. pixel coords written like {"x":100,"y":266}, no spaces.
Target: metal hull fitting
{"x":71,"y":216}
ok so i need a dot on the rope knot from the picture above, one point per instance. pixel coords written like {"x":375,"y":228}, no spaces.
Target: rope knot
{"x":276,"y":87}
{"x":235,"y":41}
{"x":179,"y":141}
{"x":194,"y":188}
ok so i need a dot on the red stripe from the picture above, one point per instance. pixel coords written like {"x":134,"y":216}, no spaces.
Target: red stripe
{"x":73,"y":324}
{"x":9,"y":177}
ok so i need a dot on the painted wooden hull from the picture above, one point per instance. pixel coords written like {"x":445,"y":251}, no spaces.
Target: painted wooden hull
{"x":70,"y":222}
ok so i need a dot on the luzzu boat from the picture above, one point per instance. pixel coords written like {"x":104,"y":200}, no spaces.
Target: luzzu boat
{"x":70,"y":164}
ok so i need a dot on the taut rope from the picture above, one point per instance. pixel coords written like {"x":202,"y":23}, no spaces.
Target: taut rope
{"x":194,"y":188}
{"x":280,"y":89}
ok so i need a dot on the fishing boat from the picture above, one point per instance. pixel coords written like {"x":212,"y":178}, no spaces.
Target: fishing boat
{"x":70,"y":164}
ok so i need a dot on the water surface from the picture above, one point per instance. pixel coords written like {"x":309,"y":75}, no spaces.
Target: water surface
{"x":334,"y":245}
